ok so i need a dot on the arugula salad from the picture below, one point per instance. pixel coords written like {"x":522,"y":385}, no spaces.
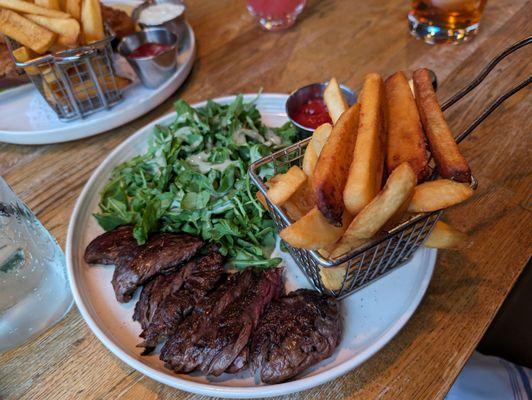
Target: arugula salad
{"x":193,"y":178}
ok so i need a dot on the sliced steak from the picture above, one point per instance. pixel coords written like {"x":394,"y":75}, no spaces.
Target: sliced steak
{"x":179,"y":352}
{"x":161,"y":253}
{"x":105,"y":249}
{"x":296,"y":332}
{"x":168,"y":299}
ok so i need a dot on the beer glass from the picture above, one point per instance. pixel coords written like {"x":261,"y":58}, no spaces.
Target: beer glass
{"x":445,"y":21}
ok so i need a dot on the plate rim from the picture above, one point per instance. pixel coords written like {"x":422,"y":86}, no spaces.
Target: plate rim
{"x":66,"y":132}
{"x":212,"y":389}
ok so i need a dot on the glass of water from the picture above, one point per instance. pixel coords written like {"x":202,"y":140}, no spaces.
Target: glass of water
{"x":34,"y":290}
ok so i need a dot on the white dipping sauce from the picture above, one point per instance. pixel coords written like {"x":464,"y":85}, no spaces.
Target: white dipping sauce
{"x":158,"y":14}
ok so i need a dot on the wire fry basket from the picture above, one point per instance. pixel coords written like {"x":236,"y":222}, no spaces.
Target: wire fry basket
{"x":75,"y":83}
{"x":388,"y":250}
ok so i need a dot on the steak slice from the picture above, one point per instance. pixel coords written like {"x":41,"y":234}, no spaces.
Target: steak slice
{"x":105,"y":249}
{"x":179,"y":352}
{"x":162,"y":252}
{"x":168,"y":299}
{"x":296,"y":332}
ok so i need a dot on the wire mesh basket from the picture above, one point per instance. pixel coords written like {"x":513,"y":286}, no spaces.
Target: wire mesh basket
{"x":388,"y":250}
{"x":77,"y":82}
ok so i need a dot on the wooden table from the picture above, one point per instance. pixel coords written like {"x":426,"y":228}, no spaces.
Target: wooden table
{"x":346,"y":40}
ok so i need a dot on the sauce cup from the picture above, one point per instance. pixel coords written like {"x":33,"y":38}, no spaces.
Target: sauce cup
{"x":300,"y":97}
{"x":153,"y":70}
{"x":175,"y":25}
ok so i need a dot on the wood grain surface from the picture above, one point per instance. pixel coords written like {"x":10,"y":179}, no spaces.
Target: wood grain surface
{"x":345,"y":39}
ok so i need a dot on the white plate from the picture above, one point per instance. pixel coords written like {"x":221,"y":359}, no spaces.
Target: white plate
{"x":371,"y":317}
{"x":27,"y":119}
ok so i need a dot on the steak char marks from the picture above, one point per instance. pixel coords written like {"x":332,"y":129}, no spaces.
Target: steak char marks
{"x":135,"y":264}
{"x":218,"y":332}
{"x":296,"y":331}
{"x":167,"y":299}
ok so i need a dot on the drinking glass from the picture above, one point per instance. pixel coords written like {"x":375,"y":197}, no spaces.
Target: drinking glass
{"x":34,"y":290}
{"x":445,"y":21}
{"x":275,"y":15}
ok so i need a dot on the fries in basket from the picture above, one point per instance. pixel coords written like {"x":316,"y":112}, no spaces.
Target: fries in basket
{"x":346,"y":201}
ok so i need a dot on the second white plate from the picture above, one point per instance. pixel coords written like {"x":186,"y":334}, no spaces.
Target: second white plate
{"x":27,"y":119}
{"x":371,"y":316}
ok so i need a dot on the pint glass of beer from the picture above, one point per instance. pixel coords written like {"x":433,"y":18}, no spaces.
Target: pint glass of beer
{"x":445,"y":21}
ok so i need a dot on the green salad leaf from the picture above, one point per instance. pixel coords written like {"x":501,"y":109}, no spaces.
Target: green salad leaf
{"x":193,"y":178}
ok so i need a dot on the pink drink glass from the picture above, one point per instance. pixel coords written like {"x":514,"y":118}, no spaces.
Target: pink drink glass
{"x":275,"y":15}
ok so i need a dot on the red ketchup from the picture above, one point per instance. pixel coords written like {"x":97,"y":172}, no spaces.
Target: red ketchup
{"x":312,"y":114}
{"x":149,"y":50}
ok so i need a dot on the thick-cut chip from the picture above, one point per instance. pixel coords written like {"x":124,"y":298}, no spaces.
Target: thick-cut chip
{"x":314,"y":147}
{"x":51,"y":4}
{"x":406,"y":140}
{"x":86,"y":90}
{"x":371,"y":219}
{"x":450,"y":162}
{"x":444,"y":236}
{"x":26,"y":32}
{"x":335,"y":100}
{"x":67,"y":29}
{"x":313,"y":231}
{"x":73,"y":7}
{"x":331,"y":170}
{"x":23,"y":54}
{"x":438,"y":194}
{"x":320,"y":137}
{"x":286,"y":185}
{"x":92,"y":21}
{"x":301,"y":202}
{"x":365,"y":174}
{"x":30,"y":8}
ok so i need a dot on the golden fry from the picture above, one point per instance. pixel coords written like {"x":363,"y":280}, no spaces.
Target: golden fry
{"x":320,"y":137}
{"x":25,"y":31}
{"x":366,"y":170}
{"x":286,"y":185}
{"x":444,"y":236}
{"x":331,"y":170}
{"x":67,"y":29}
{"x":373,"y":217}
{"x":23,"y":54}
{"x":309,"y":159}
{"x":335,"y":100}
{"x":406,"y":140}
{"x":312,"y":231}
{"x":51,"y":4}
{"x":438,"y":194}
{"x":73,"y":7}
{"x":450,"y":162}
{"x":91,"y":21}
{"x":300,"y":203}
{"x":30,"y":8}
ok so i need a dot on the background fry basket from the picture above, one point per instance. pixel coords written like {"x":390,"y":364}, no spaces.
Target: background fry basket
{"x":77,"y":82}
{"x":388,"y":250}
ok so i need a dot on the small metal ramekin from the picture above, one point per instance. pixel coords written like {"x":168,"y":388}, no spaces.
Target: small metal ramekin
{"x":176,"y":25}
{"x":298,"y":97}
{"x":153,"y":71}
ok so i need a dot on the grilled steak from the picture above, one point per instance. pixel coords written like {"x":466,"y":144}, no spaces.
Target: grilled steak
{"x":161,"y":253}
{"x":296,"y":331}
{"x":105,"y":249}
{"x":179,"y":352}
{"x":215,"y":346}
{"x":167,"y":299}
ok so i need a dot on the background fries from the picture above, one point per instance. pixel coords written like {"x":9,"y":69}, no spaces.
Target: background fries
{"x":286,"y":185}
{"x":450,"y":162}
{"x":25,"y":31}
{"x":365,"y":172}
{"x":439,"y":194}
{"x":313,"y":150}
{"x":331,"y":170}
{"x":335,"y":100}
{"x":91,"y":20}
{"x":405,"y":140}
{"x":372,"y":218}
{"x":30,"y":8}
{"x":51,"y":4}
{"x":67,"y":29}
{"x":444,"y":236}
{"x":73,"y":7}
{"x":313,"y":231}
